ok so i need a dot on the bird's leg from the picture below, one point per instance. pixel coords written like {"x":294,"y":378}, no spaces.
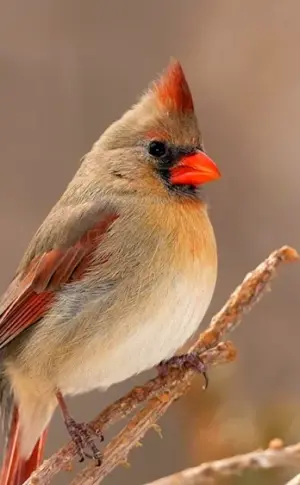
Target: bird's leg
{"x":81,"y":433}
{"x":188,"y":361}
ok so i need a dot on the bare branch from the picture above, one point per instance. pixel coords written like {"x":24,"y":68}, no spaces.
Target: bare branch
{"x":207,"y":473}
{"x":117,"y":450}
{"x":164,"y":390}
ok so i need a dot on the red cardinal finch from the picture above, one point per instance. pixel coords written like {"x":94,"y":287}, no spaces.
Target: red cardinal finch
{"x":116,"y":279}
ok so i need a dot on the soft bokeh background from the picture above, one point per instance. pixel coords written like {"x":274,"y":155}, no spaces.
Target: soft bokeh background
{"x":67,"y":69}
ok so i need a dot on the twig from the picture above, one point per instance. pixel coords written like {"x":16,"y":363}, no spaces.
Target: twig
{"x":226,"y":320}
{"x":244,"y":297}
{"x":260,"y":459}
{"x":117,"y":450}
{"x":173,"y":385}
{"x":222,"y":353}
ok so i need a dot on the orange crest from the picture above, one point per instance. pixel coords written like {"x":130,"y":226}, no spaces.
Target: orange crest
{"x":173,"y":91}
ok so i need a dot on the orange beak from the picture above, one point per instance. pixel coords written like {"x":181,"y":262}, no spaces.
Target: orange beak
{"x":194,"y":169}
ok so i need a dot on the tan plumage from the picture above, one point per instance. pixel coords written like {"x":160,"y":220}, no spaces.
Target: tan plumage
{"x":145,"y":283}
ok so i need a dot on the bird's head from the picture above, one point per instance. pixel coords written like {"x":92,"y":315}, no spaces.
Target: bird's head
{"x":156,"y":147}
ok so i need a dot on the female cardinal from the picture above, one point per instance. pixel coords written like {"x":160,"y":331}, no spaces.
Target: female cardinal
{"x":118,"y":276}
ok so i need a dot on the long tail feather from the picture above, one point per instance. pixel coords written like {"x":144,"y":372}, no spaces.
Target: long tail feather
{"x":15,"y":469}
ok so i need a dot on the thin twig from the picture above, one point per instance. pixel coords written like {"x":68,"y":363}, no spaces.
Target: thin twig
{"x":226,"y":320}
{"x":222,"y":353}
{"x":117,"y":450}
{"x":259,"y":459}
{"x":172,"y":386}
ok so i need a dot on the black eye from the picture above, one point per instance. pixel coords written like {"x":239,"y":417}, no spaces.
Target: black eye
{"x":157,"y":149}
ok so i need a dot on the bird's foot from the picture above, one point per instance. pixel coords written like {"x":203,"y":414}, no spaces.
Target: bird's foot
{"x":83,"y":436}
{"x":187,"y":361}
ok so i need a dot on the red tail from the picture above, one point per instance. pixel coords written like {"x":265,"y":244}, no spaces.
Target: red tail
{"x":15,"y":469}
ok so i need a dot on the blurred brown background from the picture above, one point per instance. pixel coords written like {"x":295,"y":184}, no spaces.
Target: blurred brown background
{"x":67,"y":69}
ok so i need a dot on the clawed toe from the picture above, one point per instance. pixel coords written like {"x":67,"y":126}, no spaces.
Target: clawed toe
{"x":189,"y":361}
{"x":83,"y":438}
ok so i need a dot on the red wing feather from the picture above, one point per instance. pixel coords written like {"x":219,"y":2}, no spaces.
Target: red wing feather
{"x":16,"y":470}
{"x":30,"y":295}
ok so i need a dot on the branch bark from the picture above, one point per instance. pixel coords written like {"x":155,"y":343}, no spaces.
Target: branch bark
{"x":206,"y":473}
{"x":162,"y":391}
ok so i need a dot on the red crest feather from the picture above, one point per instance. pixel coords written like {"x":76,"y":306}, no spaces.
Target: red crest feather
{"x":173,"y":91}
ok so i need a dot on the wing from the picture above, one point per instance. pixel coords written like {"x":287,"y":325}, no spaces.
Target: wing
{"x":30,"y":294}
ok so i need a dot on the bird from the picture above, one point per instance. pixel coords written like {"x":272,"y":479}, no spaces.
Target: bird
{"x":116,"y":279}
